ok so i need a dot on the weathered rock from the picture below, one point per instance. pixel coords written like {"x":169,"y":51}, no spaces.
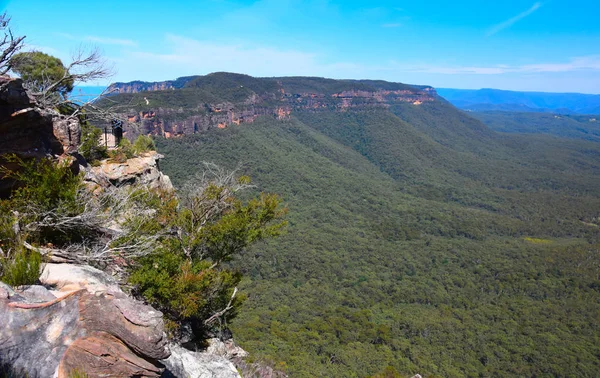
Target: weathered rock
{"x":227,"y":349}
{"x":141,"y":327}
{"x":103,"y":355}
{"x":102,"y":334}
{"x":36,"y":294}
{"x":68,"y":133}
{"x":184,"y":363}
{"x":29,"y":131}
{"x":142,"y":170}
{"x":71,"y":277}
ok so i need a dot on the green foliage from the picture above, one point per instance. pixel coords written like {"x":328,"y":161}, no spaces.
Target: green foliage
{"x":42,"y":183}
{"x":143,"y":143}
{"x":91,"y":147}
{"x":407,"y":244}
{"x":39,"y":71}
{"x":77,"y":373}
{"x":21,"y":268}
{"x":185,"y":277}
{"x":123,"y":152}
{"x":44,"y":191}
{"x":389,"y":372}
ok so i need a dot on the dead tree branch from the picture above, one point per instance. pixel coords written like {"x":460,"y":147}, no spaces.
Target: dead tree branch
{"x":9,"y":44}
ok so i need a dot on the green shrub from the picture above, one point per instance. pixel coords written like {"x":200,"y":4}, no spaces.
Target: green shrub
{"x":184,"y":277}
{"x":44,"y":192}
{"x":23,"y":268}
{"x":42,"y":183}
{"x":91,"y":147}
{"x":143,"y":143}
{"x":127,"y":148}
{"x":117,"y":156}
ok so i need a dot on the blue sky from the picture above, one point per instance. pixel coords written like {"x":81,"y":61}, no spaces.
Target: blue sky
{"x":551,"y":45}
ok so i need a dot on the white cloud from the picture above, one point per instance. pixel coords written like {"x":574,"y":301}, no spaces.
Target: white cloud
{"x":195,"y":57}
{"x":185,"y":56}
{"x":100,"y":40}
{"x":585,"y":63}
{"x":508,"y":23}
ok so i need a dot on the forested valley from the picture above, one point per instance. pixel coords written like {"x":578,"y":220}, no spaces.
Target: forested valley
{"x":419,"y":241}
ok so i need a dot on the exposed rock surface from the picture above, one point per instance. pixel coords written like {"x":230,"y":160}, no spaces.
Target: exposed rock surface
{"x":72,"y":277}
{"x":97,"y":330}
{"x":279,"y":101}
{"x":29,"y":131}
{"x":227,"y":349}
{"x":184,"y":363}
{"x":138,"y":170}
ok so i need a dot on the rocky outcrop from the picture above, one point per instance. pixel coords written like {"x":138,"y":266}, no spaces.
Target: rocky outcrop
{"x":72,"y":277}
{"x":142,"y":170}
{"x":185,"y":363}
{"x":29,"y":131}
{"x":106,"y":334}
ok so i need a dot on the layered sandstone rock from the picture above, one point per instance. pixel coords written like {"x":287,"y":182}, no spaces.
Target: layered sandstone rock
{"x":141,"y":170}
{"x":106,"y":334}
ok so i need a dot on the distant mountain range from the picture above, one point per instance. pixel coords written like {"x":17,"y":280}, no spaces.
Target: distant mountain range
{"x":511,"y":101}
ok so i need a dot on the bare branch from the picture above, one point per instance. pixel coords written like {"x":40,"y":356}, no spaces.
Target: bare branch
{"x":106,"y":218}
{"x":9,"y":45}
{"x":218,"y":314}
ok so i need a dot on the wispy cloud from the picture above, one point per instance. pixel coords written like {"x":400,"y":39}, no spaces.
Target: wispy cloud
{"x":577,"y":64}
{"x":100,"y":40}
{"x":511,"y":21}
{"x":187,"y":56}
{"x":190,"y":56}
{"x":392,"y":25}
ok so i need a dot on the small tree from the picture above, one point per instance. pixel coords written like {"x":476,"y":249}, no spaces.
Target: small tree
{"x":40,"y":71}
{"x":50,"y":81}
{"x":186,"y":277}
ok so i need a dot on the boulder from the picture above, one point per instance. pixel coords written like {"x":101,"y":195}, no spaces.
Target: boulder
{"x":71,"y":277}
{"x":184,"y":363}
{"x":99,"y":333}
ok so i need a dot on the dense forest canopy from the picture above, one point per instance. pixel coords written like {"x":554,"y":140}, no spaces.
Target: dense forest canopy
{"x":419,"y":241}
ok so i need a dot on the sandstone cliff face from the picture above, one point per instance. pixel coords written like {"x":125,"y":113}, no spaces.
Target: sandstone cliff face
{"x":144,"y":86}
{"x":139,"y":86}
{"x":173,"y":122}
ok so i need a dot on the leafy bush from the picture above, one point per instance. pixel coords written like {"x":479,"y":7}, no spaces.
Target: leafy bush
{"x":45,"y":191}
{"x":185,"y":277}
{"x":123,"y":152}
{"x":22,"y":268}
{"x":91,"y":148}
{"x":143,"y":143}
